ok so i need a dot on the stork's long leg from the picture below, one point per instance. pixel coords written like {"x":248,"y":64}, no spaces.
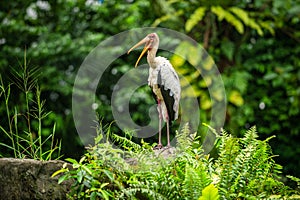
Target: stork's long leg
{"x":168,"y":130}
{"x":159,"y":124}
{"x":168,"y":134}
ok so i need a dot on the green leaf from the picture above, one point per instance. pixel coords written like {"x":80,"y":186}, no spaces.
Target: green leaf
{"x":195,"y":18}
{"x":236,"y":98}
{"x":205,"y":102}
{"x":105,"y":194}
{"x":270,"y":76}
{"x":177,"y":61}
{"x":267,"y":25}
{"x":219,"y":12}
{"x":181,"y":49}
{"x":242,"y":14}
{"x":223,"y":14}
{"x":87,"y":169}
{"x":103,"y":185}
{"x":190,"y":91}
{"x":80,"y":176}
{"x":167,"y":17}
{"x":227,"y":48}
{"x":210,"y":193}
{"x":217,"y":94}
{"x":63,"y":178}
{"x":194,"y":55}
{"x":59,"y":172}
{"x":208,"y":63}
{"x":82,"y":160}
{"x":109,"y":174}
{"x":93,"y":196}
{"x":255,"y":26}
{"x":71,"y":160}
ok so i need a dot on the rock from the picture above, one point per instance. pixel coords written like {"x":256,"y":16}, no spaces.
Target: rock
{"x":31,"y":179}
{"x":166,"y":152}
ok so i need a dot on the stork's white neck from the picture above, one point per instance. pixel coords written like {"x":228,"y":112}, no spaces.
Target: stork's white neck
{"x":151,"y":57}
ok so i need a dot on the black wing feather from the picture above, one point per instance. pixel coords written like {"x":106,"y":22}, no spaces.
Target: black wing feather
{"x":168,"y":99}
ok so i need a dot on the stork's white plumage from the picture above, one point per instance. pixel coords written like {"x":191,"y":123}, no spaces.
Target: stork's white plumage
{"x":163,"y":81}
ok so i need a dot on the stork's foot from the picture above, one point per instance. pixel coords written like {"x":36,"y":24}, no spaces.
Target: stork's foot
{"x":166,"y":147}
{"x":157,"y":147}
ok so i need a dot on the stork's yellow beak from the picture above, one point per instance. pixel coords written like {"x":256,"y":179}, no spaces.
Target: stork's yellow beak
{"x":147,"y":46}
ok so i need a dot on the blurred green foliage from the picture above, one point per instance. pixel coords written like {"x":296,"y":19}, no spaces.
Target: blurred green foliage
{"x":255,"y":45}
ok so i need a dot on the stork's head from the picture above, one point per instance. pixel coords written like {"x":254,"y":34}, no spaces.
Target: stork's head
{"x":151,"y":42}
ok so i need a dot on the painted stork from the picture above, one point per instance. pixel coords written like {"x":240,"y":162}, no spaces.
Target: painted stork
{"x":164,"y":82}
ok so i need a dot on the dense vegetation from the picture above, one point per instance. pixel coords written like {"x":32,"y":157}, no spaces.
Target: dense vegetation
{"x":244,"y":169}
{"x":255,"y":45}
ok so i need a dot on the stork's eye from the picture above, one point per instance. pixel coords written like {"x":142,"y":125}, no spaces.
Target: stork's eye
{"x":151,"y":36}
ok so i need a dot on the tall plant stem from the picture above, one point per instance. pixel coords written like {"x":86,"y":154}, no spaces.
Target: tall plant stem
{"x":6,"y":95}
{"x":40,"y":111}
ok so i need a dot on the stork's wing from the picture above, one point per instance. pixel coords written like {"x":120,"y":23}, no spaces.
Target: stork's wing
{"x":168,"y":99}
{"x":169,"y":84}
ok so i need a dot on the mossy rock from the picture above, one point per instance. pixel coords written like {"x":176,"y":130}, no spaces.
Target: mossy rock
{"x":31,"y":179}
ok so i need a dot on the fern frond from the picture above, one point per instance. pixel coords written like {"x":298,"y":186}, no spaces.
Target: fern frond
{"x":228,"y":150}
{"x":250,"y":136}
{"x":126,"y":143}
{"x":184,"y":138}
{"x":297,"y":180}
{"x":248,"y":170}
{"x":152,"y":185}
{"x":195,"y":181}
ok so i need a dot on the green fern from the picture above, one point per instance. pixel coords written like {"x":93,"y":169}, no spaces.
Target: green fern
{"x":184,"y":138}
{"x":243,"y":169}
{"x":195,"y":18}
{"x":246,"y":167}
{"x":195,"y":181}
{"x":151,"y":185}
{"x":126,"y":143}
